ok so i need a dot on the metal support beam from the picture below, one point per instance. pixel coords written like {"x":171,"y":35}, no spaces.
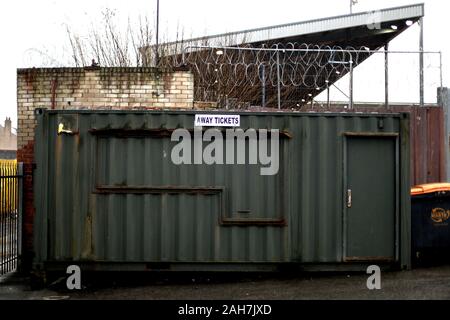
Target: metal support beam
{"x":440,"y":74}
{"x":298,"y":50}
{"x":351,"y":84}
{"x":263,"y":86}
{"x":328,"y":95}
{"x":352,"y":3}
{"x":422,"y":100}
{"x":444,"y":101}
{"x":157,"y":35}
{"x":386,"y":75}
{"x":339,"y":89}
{"x":278,"y":79}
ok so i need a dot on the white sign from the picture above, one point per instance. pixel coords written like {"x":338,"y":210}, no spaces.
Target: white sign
{"x":217,"y":120}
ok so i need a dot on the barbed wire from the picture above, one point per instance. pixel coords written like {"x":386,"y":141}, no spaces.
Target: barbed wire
{"x":309,"y":67}
{"x":295,"y":71}
{"x":241,"y":76}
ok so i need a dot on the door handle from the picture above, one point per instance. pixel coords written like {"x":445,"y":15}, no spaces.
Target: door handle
{"x":349,"y":198}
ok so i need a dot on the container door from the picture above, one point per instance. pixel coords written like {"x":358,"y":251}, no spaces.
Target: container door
{"x":370,"y":199}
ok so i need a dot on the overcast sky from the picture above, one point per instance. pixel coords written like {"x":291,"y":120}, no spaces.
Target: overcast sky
{"x":30,"y":26}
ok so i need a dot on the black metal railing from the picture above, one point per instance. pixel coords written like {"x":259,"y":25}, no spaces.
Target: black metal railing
{"x":11,"y":174}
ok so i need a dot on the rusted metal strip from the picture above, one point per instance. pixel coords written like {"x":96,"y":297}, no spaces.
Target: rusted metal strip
{"x":156,"y":190}
{"x":160,"y":132}
{"x":253,"y":222}
{"x":369,"y":259}
{"x":371,"y":134}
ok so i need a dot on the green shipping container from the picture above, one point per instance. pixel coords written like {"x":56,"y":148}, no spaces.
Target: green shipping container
{"x":319,"y":190}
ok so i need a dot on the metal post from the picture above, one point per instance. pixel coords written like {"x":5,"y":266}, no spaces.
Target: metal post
{"x":263,"y":85}
{"x":157,"y":34}
{"x":328,"y":95}
{"x":443,"y":101}
{"x":278,"y":78}
{"x":440,"y":73}
{"x":3,"y":252}
{"x":443,"y":96}
{"x":352,"y":3}
{"x":351,"y":84}
{"x":421,"y":63}
{"x":20,"y":178}
{"x":386,"y":75}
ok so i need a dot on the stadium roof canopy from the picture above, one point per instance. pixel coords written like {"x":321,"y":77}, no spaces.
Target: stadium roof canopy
{"x":372,"y":29}
{"x":366,"y":31}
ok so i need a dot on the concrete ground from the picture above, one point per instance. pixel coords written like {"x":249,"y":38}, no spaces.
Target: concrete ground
{"x":422,"y":284}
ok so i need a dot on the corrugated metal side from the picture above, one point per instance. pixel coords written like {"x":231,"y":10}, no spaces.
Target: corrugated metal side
{"x":428,"y":140}
{"x":444,"y":101}
{"x":184,"y":227}
{"x":427,"y":145}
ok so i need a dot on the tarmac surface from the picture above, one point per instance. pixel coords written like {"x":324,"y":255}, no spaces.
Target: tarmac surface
{"x":431,"y":283}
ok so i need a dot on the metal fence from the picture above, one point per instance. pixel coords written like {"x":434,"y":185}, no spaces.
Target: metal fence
{"x":11,"y":174}
{"x":297,"y":75}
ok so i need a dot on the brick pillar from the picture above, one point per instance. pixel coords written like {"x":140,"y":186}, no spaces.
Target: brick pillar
{"x":26,"y":155}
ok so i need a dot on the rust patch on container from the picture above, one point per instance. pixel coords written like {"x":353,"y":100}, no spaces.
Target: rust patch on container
{"x":427,"y":145}
{"x":88,"y":249}
{"x":369,"y":259}
{"x":159,"y":132}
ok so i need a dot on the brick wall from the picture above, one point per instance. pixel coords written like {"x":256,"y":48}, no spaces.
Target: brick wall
{"x":88,"y":88}
{"x":101,"y":88}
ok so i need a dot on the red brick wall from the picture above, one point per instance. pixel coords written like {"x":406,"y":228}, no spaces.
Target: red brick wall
{"x":26,"y":155}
